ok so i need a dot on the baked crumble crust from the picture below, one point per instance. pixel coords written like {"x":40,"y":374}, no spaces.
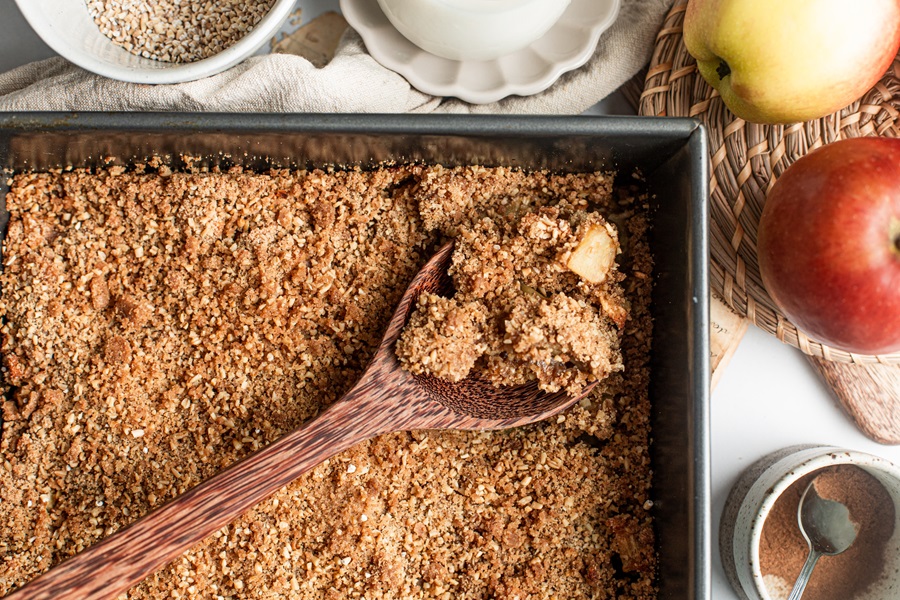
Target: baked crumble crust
{"x":160,"y":326}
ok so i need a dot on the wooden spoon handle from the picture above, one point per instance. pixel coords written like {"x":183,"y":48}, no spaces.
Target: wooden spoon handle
{"x":115,"y":564}
{"x":869,"y":393}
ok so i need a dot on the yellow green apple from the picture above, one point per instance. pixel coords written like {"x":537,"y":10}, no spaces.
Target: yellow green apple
{"x":785,"y":61}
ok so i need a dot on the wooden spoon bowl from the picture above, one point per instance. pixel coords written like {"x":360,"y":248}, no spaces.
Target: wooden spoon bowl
{"x":385,"y":399}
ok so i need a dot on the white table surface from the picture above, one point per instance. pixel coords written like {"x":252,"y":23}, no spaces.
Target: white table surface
{"x":768,"y":397}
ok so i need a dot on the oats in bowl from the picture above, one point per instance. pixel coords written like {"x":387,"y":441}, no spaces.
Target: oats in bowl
{"x":176,"y":30}
{"x":155,"y":42}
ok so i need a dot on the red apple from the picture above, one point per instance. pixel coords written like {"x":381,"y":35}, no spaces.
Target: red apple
{"x":829,"y":244}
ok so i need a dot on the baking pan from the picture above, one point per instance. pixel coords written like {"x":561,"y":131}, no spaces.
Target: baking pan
{"x":670,"y":154}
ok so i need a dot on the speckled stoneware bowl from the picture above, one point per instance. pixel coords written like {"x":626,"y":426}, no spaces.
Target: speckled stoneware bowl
{"x":752,"y":497}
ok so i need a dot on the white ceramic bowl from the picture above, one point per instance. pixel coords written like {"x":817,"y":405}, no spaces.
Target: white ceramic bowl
{"x":67,"y":27}
{"x":753,"y":496}
{"x":473,"y":29}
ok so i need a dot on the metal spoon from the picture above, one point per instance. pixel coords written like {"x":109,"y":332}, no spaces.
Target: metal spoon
{"x":385,"y":399}
{"x":827,"y":528}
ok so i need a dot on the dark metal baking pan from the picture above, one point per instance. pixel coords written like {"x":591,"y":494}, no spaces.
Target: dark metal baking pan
{"x":671,"y":154}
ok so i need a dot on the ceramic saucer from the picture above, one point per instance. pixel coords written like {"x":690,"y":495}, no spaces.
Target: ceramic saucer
{"x":566,"y":46}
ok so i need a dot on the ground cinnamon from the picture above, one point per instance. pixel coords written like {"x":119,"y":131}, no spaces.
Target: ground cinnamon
{"x":783,"y":550}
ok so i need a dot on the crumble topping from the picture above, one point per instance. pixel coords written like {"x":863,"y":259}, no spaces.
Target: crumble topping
{"x":159,"y":326}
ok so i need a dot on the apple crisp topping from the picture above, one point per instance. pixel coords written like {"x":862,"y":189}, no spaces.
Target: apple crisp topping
{"x":536,"y":296}
{"x":157,"y":327}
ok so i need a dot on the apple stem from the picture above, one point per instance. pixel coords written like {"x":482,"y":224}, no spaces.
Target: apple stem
{"x":723,"y":69}
{"x":895,"y":234}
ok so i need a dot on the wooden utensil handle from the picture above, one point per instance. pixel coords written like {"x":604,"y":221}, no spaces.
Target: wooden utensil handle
{"x":113,"y":565}
{"x":869,"y":393}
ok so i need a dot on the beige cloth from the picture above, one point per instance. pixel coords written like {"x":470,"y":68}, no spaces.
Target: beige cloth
{"x":352,"y":82}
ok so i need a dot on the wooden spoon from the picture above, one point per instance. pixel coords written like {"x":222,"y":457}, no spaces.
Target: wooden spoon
{"x":385,"y":399}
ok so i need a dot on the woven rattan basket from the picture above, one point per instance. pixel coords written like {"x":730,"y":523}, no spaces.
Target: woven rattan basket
{"x":746,"y":159}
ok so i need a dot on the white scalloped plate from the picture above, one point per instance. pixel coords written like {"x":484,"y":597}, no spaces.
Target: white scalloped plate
{"x":568,"y":45}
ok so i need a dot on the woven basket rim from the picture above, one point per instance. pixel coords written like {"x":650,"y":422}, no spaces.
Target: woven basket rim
{"x":745,"y":161}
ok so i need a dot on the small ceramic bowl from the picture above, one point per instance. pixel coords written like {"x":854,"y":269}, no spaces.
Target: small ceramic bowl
{"x":751,"y":500}
{"x":473,"y":29}
{"x":67,"y":27}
